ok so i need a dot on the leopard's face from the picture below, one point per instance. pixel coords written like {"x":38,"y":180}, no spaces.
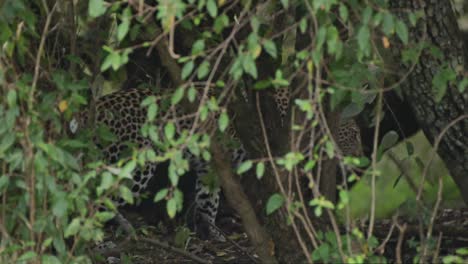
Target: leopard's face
{"x":122,"y":115}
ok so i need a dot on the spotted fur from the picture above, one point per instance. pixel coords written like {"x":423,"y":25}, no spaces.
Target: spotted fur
{"x":123,"y":114}
{"x":349,"y":134}
{"x":349,"y":138}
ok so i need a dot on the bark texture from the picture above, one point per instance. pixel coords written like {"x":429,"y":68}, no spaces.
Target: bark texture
{"x":439,"y":28}
{"x":238,"y":200}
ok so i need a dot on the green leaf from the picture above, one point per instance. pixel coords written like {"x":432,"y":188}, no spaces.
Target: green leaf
{"x":203,"y":70}
{"x":113,"y":60}
{"x":4,"y":180}
{"x":274,"y":203}
{"x":123,"y":28}
{"x":169,"y":130}
{"x":236,"y":68}
{"x":262,"y":84}
{"x":179,"y":197}
{"x":192,"y":93}
{"x":148,"y":100}
{"x":49,"y":259}
{"x":187,"y":69}
{"x":329,"y":149}
{"x":402,"y":31}
{"x":270,"y":48}
{"x":389,"y":140}
{"x":220,"y":23}
{"x":152,"y":111}
{"x":409,"y":148}
{"x":364,"y":39}
{"x":11,"y":98}
{"x":223,"y":121}
{"x":212,"y":8}
{"x":249,"y":66}
{"x":366,"y":15}
{"x":96,"y":8}
{"x":462,"y":251}
{"x":220,"y":83}
{"x":6,"y":142}
{"x":462,"y":85}
{"x":127,"y":170}
{"x":260,"y":170}
{"x":198,"y":47}
{"x":106,"y":181}
{"x":171,"y":207}
{"x":343,"y":12}
{"x":126,"y":194}
{"x":72,"y":228}
{"x":285,"y":3}
{"x":255,"y":24}
{"x":173,"y":176}
{"x":244,"y":166}
{"x":388,"y":24}
{"x":441,"y":82}
{"x":26,"y":256}
{"x":104,"y":216}
{"x":161,"y":195}
{"x":178,"y":95}
{"x":60,"y":206}
{"x":181,"y":237}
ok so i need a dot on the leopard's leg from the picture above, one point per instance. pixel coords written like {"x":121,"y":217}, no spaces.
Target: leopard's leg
{"x":207,"y":199}
{"x":206,"y":203}
{"x":140,"y":179}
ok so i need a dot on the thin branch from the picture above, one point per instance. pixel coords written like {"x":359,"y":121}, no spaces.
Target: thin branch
{"x":374,"y":165}
{"x":40,"y":51}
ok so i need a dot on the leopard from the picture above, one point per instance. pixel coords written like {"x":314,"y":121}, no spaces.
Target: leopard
{"x":122,"y":113}
{"x":348,"y":138}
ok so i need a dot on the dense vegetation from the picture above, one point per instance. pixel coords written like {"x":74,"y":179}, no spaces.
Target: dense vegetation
{"x":392,"y":67}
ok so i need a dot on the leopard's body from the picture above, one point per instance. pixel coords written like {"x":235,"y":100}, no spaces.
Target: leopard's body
{"x":121,"y":112}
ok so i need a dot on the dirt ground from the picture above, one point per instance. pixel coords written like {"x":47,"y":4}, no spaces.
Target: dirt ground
{"x":157,"y":244}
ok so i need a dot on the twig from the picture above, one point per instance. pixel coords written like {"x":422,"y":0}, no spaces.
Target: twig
{"x":400,"y":242}
{"x":433,"y":217}
{"x":234,"y":243}
{"x":435,"y":258}
{"x":374,"y":165}
{"x":434,"y":150}
{"x":39,"y":52}
{"x":381,"y":249}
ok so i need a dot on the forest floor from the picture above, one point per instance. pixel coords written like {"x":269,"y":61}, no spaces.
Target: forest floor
{"x":158,"y":244}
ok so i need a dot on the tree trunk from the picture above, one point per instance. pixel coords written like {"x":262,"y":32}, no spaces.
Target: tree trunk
{"x":439,"y":28}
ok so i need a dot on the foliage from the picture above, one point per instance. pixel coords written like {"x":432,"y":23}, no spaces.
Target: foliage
{"x":51,"y":53}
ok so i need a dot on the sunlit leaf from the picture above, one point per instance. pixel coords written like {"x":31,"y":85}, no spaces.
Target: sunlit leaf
{"x":244,"y":166}
{"x":96,"y":8}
